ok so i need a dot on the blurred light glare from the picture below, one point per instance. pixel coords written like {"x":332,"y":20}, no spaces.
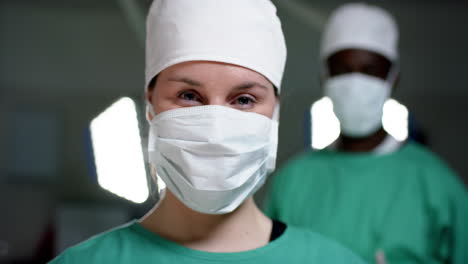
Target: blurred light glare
{"x":395,"y":119}
{"x":118,"y":152}
{"x":326,"y":126}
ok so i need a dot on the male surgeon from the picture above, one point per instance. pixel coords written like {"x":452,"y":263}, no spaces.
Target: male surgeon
{"x":389,"y":201}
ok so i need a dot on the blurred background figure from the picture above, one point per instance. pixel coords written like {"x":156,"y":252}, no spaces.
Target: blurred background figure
{"x":385,"y":198}
{"x":64,"y":63}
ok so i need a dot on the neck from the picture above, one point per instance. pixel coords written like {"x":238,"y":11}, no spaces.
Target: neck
{"x":245,"y":228}
{"x":365,"y":144}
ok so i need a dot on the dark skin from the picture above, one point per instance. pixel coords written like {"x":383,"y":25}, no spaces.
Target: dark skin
{"x":366,"y":62}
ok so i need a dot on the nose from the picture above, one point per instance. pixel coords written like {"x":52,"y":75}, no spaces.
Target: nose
{"x":217,"y":100}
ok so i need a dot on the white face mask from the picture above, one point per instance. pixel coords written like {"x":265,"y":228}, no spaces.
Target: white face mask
{"x":358,"y":101}
{"x":212,"y":157}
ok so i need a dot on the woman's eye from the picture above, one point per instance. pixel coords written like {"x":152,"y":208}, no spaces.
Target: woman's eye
{"x":244,"y":100}
{"x":189,"y":96}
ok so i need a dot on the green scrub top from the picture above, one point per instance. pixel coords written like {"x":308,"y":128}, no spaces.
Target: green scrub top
{"x":408,"y":203}
{"x":133,"y":243}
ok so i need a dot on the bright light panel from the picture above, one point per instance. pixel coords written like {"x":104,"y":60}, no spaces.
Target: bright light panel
{"x":395,"y":119}
{"x":326,"y":126}
{"x":118,"y":153}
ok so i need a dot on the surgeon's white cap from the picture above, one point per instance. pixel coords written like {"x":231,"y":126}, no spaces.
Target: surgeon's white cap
{"x":360,"y":26}
{"x":243,"y":32}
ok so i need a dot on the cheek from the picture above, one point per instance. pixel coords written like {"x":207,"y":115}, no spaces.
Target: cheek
{"x":161,"y":101}
{"x":268,"y":108}
{"x":158,"y":104}
{"x":153,"y":98}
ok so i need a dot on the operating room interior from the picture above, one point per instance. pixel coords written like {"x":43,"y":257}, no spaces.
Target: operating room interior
{"x":66,"y":66}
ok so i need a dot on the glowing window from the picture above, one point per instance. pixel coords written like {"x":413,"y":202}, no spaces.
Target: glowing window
{"x":118,"y":151}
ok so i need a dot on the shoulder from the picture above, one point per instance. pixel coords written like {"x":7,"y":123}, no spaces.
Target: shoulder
{"x":98,"y":249}
{"x":305,"y":166}
{"x":311,"y":155}
{"x":417,"y":154}
{"x":291,"y":176}
{"x":433,"y":172}
{"x":423,"y":159}
{"x":322,"y":249}
{"x":303,"y":161}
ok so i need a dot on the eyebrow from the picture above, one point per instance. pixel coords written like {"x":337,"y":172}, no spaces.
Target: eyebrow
{"x":186,"y":80}
{"x":243,"y":86}
{"x":248,"y":85}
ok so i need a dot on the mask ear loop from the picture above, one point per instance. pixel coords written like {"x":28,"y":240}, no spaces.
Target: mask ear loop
{"x":149,"y":111}
{"x":274,"y":137}
{"x":154,"y":174}
{"x":276,"y":113}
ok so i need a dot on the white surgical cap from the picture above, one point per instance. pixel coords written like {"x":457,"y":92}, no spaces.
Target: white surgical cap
{"x":360,"y":26}
{"x":241,"y":32}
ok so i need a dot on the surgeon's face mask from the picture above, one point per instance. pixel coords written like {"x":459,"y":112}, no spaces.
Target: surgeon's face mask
{"x":358,"y":101}
{"x":212,"y":157}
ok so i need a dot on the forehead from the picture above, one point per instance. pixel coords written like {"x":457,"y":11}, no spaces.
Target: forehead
{"x":356,"y":57}
{"x":210,"y":71}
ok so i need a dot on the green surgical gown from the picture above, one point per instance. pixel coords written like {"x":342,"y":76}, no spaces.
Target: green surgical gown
{"x":408,"y":204}
{"x":133,"y":243}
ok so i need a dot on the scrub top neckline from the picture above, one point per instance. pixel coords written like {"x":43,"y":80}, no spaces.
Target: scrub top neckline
{"x":193,"y":253}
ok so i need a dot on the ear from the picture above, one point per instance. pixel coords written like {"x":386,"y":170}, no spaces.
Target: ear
{"x":149,"y":95}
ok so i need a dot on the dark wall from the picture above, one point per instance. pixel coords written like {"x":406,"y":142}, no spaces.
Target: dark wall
{"x":65,"y":61}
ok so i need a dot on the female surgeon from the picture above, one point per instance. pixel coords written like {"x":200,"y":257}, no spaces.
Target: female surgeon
{"x":213,"y":73}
